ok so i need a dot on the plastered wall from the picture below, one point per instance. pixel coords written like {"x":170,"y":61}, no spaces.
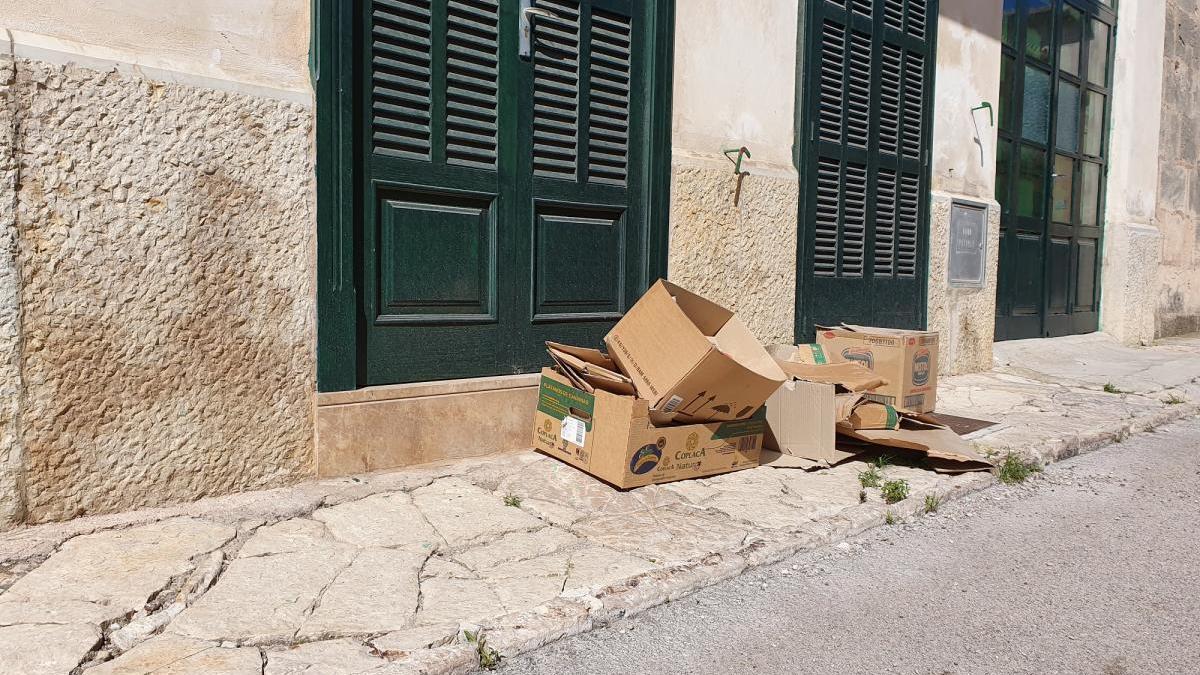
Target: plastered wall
{"x":262,"y":43}
{"x":734,"y":86}
{"x":1133,"y":243}
{"x":1177,"y":297}
{"x":964,"y":168}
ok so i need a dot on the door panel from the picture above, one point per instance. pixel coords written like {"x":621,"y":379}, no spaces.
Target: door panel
{"x":1050,"y":168}
{"x":864,"y":139}
{"x":504,"y":199}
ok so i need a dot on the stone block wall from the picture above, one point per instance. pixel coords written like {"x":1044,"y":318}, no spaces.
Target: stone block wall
{"x":157,"y":266}
{"x":1178,"y":215}
{"x":742,"y":256}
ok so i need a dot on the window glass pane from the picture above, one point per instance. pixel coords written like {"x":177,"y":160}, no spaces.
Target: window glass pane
{"x":1003,"y":172}
{"x":1039,"y":26}
{"x":1005,"y":113}
{"x":1093,"y":123}
{"x":1089,"y":194}
{"x":1031,"y":182}
{"x":1035,"y":121}
{"x":1072,"y":40}
{"x":1008,"y":30}
{"x":1067,"y":134}
{"x":1064,"y":188}
{"x":1098,"y":53}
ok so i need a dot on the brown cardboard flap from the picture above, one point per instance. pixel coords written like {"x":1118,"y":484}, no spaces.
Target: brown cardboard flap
{"x":589,"y":369}
{"x":851,"y":376}
{"x":872,"y":416}
{"x":921,"y":434}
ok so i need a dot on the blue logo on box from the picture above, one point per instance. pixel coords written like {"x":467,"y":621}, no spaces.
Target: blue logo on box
{"x":645,"y":459}
{"x":920,"y":368}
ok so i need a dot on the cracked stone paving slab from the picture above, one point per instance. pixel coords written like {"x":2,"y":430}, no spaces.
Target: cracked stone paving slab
{"x":45,"y":649}
{"x":386,"y":520}
{"x":377,"y":593}
{"x":665,"y":535}
{"x":174,"y":655}
{"x":264,"y":599}
{"x":462,"y":513}
{"x":331,"y":657}
{"x":103,"y":576}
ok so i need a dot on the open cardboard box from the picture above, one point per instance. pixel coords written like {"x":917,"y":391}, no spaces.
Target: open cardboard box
{"x":907,"y":359}
{"x":824,"y":403}
{"x":691,"y":359}
{"x":612,"y":437}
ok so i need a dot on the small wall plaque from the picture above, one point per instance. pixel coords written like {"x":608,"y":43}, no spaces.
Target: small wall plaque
{"x":968,"y":244}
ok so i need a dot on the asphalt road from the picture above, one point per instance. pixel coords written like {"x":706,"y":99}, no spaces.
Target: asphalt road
{"x":1092,"y":567}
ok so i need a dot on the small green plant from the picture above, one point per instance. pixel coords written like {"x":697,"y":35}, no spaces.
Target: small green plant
{"x":862,"y":496}
{"x":512,"y":500}
{"x":1110,"y":388}
{"x":932,"y":503}
{"x":882,"y":461}
{"x":890,"y":518}
{"x":1174,"y":400}
{"x":1015,"y":470}
{"x":894,"y":491}
{"x":870,"y":478}
{"x":489,"y":658}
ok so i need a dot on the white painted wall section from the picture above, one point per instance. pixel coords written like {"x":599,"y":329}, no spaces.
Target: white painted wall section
{"x":735,"y":75}
{"x":260,"y":43}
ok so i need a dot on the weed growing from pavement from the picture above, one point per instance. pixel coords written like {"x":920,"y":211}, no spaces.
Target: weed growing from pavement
{"x":932,"y":502}
{"x":512,"y":500}
{"x":870,"y":477}
{"x":1174,"y":400}
{"x":882,"y":461}
{"x":1110,"y":388}
{"x":890,"y":518}
{"x":488,"y":658}
{"x":1015,"y":470}
{"x":894,"y":491}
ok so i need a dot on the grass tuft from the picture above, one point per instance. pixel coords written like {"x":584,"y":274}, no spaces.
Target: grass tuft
{"x":1110,"y":388}
{"x":512,"y":500}
{"x":894,"y":491}
{"x":890,"y":518}
{"x":1015,"y":470}
{"x":870,"y":478}
{"x":932,"y":503}
{"x":882,"y":461}
{"x":1174,"y":400}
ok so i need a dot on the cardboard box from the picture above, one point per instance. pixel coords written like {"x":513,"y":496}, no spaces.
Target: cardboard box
{"x":692,"y":359}
{"x":611,"y":437}
{"x":907,"y":359}
{"x":803,"y":414}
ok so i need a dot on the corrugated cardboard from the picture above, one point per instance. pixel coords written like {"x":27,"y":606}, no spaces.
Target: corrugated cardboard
{"x":611,"y":437}
{"x":589,"y":369}
{"x":692,"y":359}
{"x":947,"y":451}
{"x":802,"y":415}
{"x":907,"y":359}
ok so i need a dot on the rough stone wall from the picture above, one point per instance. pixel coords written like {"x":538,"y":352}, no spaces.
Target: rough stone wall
{"x":744,"y":256}
{"x":166,"y":257}
{"x":12,"y":496}
{"x":1178,"y":213}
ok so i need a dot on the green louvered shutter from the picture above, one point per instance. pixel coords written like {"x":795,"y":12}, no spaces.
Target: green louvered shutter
{"x":504,"y":198}
{"x":864,"y":141}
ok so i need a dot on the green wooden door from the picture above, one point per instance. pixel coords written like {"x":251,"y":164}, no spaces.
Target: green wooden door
{"x":864,"y":138}
{"x":1051,"y":166}
{"x":504,"y":198}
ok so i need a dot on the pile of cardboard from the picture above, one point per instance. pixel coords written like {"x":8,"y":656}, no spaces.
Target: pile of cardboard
{"x":681,"y":394}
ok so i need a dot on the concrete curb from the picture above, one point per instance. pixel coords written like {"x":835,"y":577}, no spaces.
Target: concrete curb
{"x":521,"y":632}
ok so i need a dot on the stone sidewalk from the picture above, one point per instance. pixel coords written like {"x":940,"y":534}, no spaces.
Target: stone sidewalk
{"x":400,"y":572}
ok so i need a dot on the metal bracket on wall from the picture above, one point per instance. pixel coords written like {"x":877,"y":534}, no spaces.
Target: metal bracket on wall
{"x":743,"y":151}
{"x":991,"y":115}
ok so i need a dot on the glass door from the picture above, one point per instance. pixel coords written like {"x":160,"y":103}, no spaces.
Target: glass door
{"x":1050,"y":165}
